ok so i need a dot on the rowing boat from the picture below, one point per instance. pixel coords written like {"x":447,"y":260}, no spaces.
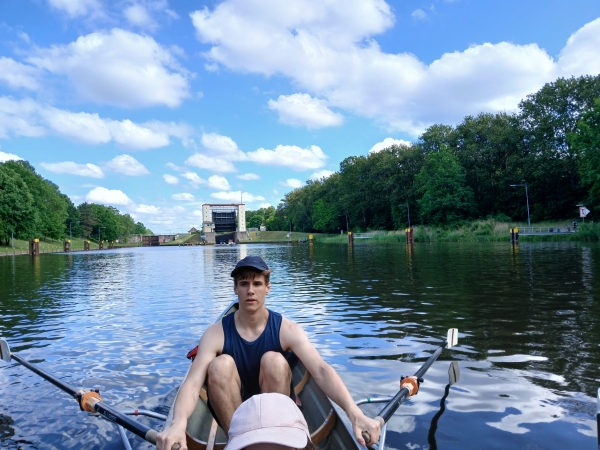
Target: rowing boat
{"x":328,"y":431}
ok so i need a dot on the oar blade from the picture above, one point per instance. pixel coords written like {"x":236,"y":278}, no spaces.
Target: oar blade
{"x":453,"y":373}
{"x":452,"y":337}
{"x":4,"y":350}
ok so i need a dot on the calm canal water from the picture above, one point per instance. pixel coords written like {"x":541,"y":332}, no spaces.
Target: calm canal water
{"x":122,"y":321}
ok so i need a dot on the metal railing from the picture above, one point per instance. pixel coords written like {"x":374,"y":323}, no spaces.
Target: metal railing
{"x":137,"y":412}
{"x":547,"y":230}
{"x":368,"y":235}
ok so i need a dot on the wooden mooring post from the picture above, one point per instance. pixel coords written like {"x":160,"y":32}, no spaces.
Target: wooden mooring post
{"x":67,"y":246}
{"x":410,"y":236}
{"x":86,"y":246}
{"x":101,"y":245}
{"x":111,"y":245}
{"x":34,"y":247}
{"x":514,"y":236}
{"x":350,"y":238}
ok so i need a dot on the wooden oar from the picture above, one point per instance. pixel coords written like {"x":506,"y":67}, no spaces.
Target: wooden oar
{"x":88,"y":400}
{"x":407,"y":388}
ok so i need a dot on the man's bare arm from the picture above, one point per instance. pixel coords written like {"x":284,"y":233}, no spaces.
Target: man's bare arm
{"x":294,"y":338}
{"x":210,"y":346}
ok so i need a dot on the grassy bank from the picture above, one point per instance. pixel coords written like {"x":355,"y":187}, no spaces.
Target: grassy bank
{"x":184,"y":239}
{"x":52,"y":246}
{"x":259,"y":237}
{"x":476,"y":231}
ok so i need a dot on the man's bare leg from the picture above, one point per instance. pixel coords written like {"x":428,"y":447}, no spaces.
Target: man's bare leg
{"x":224,"y":387}
{"x":275,"y":374}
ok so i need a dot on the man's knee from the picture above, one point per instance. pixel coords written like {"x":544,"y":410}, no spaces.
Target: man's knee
{"x":273,"y":364}
{"x":222,"y":369}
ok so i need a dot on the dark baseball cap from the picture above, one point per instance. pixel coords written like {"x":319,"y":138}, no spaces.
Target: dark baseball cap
{"x":256,"y":262}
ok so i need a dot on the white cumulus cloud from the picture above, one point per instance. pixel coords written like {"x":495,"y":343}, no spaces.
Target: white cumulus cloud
{"x":185,"y":196}
{"x":321,"y":174}
{"x":328,"y":50}
{"x":304,"y":111}
{"x":194,"y":178}
{"x":218,"y":183}
{"x":419,"y":14}
{"x":146,"y":209}
{"x":209,"y":163}
{"x":127,"y":165}
{"x":249,"y":176}
{"x":293,"y":183}
{"x":9,"y":157}
{"x":581,"y":55}
{"x":291,"y":156}
{"x":76,"y":8}
{"x":175,"y":167}
{"x":236,"y":196}
{"x":72,"y":168}
{"x":138,"y":15}
{"x":118,"y":67}
{"x":109,"y":197}
{"x":17,"y":75}
{"x":387,"y":143}
{"x":223,"y":146}
{"x":28,"y":118}
{"x":170,"y":179}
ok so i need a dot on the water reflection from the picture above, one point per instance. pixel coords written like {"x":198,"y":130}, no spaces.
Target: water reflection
{"x":123,"y":320}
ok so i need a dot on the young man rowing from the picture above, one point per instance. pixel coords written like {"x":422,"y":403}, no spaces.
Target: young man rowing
{"x":243,"y":355}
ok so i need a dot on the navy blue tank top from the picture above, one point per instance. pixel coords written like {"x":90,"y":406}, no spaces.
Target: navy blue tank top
{"x":247,"y":355}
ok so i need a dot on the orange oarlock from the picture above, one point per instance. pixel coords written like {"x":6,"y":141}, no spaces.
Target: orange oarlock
{"x":88,"y":400}
{"x":410,"y":383}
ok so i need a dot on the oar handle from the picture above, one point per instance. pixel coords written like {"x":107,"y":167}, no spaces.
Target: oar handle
{"x":365,"y":434}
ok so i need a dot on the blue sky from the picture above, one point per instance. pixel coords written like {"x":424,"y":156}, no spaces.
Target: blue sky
{"x":157,"y":106}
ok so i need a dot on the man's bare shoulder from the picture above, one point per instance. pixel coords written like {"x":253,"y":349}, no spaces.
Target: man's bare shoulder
{"x":213,"y":338}
{"x":288,"y":325}
{"x":291,"y":333}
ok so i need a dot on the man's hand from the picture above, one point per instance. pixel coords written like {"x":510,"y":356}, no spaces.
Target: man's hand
{"x":360,"y":424}
{"x":175,"y":434}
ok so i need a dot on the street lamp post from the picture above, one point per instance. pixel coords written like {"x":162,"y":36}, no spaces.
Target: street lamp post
{"x":70,"y":232}
{"x":99,"y":228}
{"x":346,"y":215}
{"x":527,"y":198}
{"x":407,"y":211}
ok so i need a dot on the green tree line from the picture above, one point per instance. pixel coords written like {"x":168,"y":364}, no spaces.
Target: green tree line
{"x":31,"y":206}
{"x":465,"y":172}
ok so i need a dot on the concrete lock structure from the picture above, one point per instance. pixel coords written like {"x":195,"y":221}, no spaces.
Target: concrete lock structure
{"x":223,"y":222}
